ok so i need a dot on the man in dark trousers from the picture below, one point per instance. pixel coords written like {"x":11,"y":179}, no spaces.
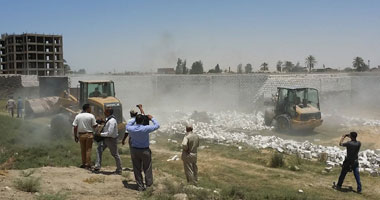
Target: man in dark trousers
{"x":351,"y":162}
{"x":140,"y":151}
{"x":110,"y":135}
{"x":190,"y":145}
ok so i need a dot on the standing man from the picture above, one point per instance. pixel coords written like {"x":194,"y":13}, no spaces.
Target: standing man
{"x":133,"y":115}
{"x":140,"y":151}
{"x":110,"y":134}
{"x":10,"y":106}
{"x":190,"y":145}
{"x":84,"y":124}
{"x":351,"y":162}
{"x":20,"y":106}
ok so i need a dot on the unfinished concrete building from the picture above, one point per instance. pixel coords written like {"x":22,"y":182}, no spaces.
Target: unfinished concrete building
{"x":31,"y":54}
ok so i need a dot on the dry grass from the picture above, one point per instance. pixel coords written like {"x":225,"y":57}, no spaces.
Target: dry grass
{"x":94,"y":179}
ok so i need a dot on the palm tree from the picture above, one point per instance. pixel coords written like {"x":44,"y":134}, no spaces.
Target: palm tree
{"x":279,"y":66}
{"x":310,"y":62}
{"x":264,"y":66}
{"x":359,"y":64}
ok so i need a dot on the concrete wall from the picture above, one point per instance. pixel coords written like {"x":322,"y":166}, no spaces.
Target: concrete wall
{"x":229,"y":91}
{"x":18,"y":85}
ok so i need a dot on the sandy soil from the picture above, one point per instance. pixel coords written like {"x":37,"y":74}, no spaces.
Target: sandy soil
{"x":77,"y":183}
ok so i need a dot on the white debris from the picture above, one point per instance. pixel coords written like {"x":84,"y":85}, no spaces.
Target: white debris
{"x":234,"y":128}
{"x":240,"y":148}
{"x":153,"y":142}
{"x":300,"y":191}
{"x":328,"y":169}
{"x":174,"y":158}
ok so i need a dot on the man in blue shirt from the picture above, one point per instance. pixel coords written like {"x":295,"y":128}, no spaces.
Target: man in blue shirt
{"x":20,"y":106}
{"x":140,"y":151}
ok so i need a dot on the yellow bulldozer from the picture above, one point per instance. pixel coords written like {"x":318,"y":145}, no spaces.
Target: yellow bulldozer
{"x":99,"y":94}
{"x":294,"y":108}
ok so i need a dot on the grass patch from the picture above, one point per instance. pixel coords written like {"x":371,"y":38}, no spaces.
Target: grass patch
{"x":28,"y":184}
{"x":30,"y":144}
{"x":27,"y":173}
{"x":53,"y":196}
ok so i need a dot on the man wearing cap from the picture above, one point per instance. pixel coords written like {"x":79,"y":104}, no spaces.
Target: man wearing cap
{"x":140,"y":151}
{"x":133,"y":115}
{"x":190,"y":146}
{"x":84,"y":124}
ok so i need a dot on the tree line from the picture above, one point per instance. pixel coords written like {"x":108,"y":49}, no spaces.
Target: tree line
{"x":286,"y":66}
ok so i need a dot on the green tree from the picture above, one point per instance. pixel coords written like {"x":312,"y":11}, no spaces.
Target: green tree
{"x":66,"y":67}
{"x":299,"y":68}
{"x":197,"y":68}
{"x":359,"y":65}
{"x":310,"y":62}
{"x":264,"y":66}
{"x":184,"y":68}
{"x":279,"y":66}
{"x":217,"y":69}
{"x":239,"y":69}
{"x":288,"y":66}
{"x":248,"y":68}
{"x":179,"y":67}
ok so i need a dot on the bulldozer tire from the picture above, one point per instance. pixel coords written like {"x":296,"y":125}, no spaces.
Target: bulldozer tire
{"x":283,"y":123}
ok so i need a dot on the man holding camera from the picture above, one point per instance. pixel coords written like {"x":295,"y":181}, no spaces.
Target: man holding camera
{"x":351,"y":162}
{"x":140,"y":151}
{"x":109,"y":133}
{"x":84,"y":124}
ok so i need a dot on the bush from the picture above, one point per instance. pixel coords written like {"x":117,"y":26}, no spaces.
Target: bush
{"x":28,"y":184}
{"x":27,"y":173}
{"x":277,"y":160}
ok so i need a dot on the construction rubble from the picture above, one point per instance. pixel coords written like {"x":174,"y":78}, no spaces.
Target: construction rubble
{"x":234,"y":127}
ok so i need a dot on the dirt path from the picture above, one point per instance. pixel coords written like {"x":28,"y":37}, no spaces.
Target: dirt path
{"x":77,"y":183}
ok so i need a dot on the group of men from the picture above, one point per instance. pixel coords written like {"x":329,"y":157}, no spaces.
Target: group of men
{"x":12,"y":105}
{"x":138,"y":130}
{"x":105,"y":133}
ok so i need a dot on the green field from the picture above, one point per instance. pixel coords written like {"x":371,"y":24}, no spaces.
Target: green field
{"x":225,"y":172}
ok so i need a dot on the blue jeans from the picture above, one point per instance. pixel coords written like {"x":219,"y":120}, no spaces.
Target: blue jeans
{"x":356,"y":174}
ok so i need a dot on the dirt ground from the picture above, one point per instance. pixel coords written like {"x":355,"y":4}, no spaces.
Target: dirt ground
{"x":77,"y":183}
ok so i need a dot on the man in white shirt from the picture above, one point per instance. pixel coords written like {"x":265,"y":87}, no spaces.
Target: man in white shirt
{"x":84,"y":124}
{"x":11,"y":104}
{"x":110,"y":134}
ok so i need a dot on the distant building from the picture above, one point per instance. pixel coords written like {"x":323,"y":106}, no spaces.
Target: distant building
{"x":165,"y":71}
{"x":31,"y":54}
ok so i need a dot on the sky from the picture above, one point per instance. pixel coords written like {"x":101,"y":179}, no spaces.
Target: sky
{"x":142,"y":35}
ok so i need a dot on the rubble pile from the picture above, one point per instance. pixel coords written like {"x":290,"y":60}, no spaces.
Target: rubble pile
{"x":232,"y":127}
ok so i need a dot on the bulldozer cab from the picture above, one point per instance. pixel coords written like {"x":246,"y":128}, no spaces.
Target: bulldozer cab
{"x":90,"y":89}
{"x":291,"y":98}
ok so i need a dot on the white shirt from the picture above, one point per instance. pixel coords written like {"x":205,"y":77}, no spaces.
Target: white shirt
{"x":11,"y":104}
{"x":85,"y":122}
{"x":110,"y":129}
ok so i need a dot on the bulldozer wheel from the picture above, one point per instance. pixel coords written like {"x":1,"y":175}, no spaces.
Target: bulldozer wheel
{"x":283,"y":123}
